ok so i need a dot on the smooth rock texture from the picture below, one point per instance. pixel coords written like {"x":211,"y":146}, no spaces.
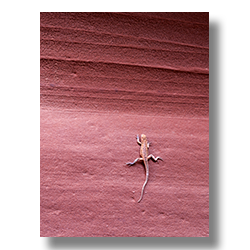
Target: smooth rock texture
{"x":106,"y":77}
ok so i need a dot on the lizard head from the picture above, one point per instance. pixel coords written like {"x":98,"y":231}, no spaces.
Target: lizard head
{"x":143,"y":137}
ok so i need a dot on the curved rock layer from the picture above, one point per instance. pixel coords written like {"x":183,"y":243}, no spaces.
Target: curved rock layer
{"x":106,"y":77}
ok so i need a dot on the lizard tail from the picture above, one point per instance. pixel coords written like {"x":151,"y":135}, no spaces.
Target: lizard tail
{"x":145,"y":183}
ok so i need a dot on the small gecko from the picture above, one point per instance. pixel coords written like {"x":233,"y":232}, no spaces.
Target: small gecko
{"x":144,"y":157}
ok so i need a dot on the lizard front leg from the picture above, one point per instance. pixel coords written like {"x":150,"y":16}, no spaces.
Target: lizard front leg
{"x":137,"y":139}
{"x":155,"y":159}
{"x":132,"y":163}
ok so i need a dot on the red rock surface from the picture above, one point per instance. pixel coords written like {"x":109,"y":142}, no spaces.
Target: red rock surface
{"x":106,"y":77}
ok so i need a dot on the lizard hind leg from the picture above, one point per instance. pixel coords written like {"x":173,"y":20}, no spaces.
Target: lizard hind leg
{"x":132,"y":163}
{"x":154,"y":158}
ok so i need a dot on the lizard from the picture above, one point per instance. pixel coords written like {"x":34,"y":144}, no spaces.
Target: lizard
{"x":144,"y":157}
